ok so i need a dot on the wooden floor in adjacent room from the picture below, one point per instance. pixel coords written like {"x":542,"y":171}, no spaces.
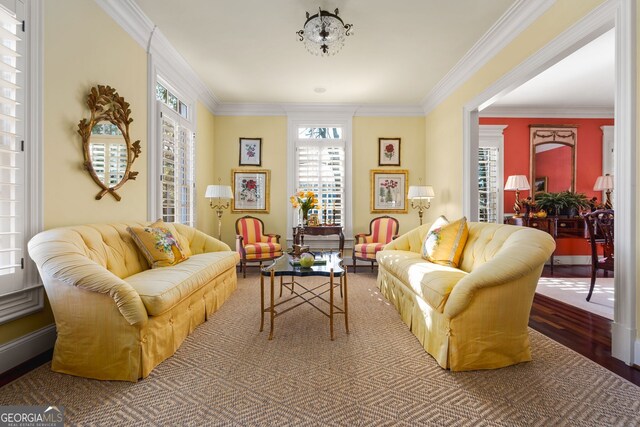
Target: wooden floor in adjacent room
{"x":581,"y":331}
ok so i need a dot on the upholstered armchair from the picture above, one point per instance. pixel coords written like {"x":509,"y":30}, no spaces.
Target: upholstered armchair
{"x":253,"y":245}
{"x":382,"y":230}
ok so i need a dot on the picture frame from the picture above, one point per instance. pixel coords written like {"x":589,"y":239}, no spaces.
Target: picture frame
{"x":313,"y":220}
{"x":540,"y":184}
{"x":389,"y":190}
{"x":389,"y":151}
{"x":251,"y":190}
{"x":250,"y":152}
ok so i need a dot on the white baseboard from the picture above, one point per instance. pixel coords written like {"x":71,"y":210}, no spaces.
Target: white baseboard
{"x":26,"y":347}
{"x":571,"y":260}
{"x":636,"y":353}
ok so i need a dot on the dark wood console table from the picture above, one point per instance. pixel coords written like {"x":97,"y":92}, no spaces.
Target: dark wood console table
{"x":558,"y":227}
{"x":320,"y":230}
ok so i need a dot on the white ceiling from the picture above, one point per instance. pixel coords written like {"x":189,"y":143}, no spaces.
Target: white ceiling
{"x":584,"y":79}
{"x":248,"y":51}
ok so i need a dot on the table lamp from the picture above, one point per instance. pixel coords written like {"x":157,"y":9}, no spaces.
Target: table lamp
{"x":605,"y":183}
{"x":420,"y":196}
{"x":517,"y":183}
{"x":220,"y":193}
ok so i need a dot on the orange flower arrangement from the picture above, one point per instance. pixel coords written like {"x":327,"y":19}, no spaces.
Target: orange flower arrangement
{"x":305,"y":200}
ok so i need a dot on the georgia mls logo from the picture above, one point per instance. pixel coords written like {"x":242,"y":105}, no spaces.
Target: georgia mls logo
{"x":31,"y":416}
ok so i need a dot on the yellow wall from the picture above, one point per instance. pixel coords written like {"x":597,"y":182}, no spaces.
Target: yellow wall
{"x":273,"y":131}
{"x":205,"y":168}
{"x":77,"y":57}
{"x":366,"y":131}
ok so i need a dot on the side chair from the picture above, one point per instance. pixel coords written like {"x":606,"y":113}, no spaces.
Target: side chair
{"x":382,"y":230}
{"x":253,"y":244}
{"x":600,"y":228}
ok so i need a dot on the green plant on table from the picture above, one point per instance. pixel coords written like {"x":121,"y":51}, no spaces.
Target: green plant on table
{"x":563,"y":201}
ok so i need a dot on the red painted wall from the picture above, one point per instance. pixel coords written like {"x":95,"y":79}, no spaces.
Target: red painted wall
{"x":588,"y":161}
{"x":552,"y":164}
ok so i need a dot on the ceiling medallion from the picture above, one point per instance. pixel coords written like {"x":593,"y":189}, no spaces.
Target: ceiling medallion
{"x":324,"y":33}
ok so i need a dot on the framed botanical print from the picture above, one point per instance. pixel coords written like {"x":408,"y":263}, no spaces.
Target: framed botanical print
{"x":388,"y":151}
{"x":250,"y":190}
{"x":389,"y":191}
{"x":250,"y":152}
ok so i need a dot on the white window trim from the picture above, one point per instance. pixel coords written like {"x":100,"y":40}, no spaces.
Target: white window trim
{"x":31,"y":298}
{"x":492,"y":136}
{"x":159,"y":70}
{"x":321,"y":119}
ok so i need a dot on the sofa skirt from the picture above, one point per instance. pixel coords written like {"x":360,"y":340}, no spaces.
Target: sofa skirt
{"x":95,"y":341}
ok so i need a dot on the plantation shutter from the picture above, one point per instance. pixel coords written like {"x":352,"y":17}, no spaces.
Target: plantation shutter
{"x":12,"y":161}
{"x":321,"y":169}
{"x":178,"y":168}
{"x":488,"y":185}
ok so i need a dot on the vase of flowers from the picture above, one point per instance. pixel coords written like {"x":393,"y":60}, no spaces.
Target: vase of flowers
{"x":305,"y":201}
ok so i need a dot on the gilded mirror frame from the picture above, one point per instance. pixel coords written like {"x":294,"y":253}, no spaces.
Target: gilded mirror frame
{"x":106,"y":105}
{"x":552,"y":134}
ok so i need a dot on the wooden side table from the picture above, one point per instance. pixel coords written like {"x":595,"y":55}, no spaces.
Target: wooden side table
{"x":320,"y":230}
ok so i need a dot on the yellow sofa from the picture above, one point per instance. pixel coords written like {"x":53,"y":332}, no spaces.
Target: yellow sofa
{"x":476,"y":316}
{"x":116,"y":318}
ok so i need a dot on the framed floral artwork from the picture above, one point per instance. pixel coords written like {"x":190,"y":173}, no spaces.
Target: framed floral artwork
{"x":388,"y":151}
{"x":389,"y":191}
{"x":250,"y":152}
{"x":250,"y":190}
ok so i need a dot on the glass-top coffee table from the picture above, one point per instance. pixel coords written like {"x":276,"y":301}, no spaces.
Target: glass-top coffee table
{"x":312,"y":294}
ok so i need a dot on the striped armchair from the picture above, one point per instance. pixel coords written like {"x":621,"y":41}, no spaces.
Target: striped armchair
{"x":253,"y":245}
{"x":382,"y":230}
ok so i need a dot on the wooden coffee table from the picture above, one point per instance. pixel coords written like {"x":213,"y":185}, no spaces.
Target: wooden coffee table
{"x":314,"y":295}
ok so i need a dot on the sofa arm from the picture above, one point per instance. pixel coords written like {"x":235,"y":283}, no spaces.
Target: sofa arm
{"x":523,"y":253}
{"x":200,"y":242}
{"x":64,"y":262}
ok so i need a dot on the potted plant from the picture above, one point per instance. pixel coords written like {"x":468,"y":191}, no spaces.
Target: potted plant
{"x":562,"y":203}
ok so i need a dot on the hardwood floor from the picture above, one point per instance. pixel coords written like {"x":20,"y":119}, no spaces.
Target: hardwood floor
{"x":583,"y":332}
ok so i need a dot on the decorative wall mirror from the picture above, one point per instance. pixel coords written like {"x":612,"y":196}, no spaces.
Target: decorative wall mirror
{"x":106,"y":144}
{"x":553,"y":157}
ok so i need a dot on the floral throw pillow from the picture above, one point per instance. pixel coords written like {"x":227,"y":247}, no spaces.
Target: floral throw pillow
{"x":158,"y":245}
{"x":444,"y":244}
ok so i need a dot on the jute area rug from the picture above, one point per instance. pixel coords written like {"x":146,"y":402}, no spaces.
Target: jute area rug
{"x":227,"y":373}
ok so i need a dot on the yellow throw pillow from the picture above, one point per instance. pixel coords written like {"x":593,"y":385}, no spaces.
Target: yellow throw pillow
{"x":158,"y":245}
{"x":438,"y":223}
{"x":443,"y":245}
{"x":183,"y":242}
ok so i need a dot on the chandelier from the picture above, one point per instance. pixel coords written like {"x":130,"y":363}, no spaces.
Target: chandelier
{"x":324,"y":33}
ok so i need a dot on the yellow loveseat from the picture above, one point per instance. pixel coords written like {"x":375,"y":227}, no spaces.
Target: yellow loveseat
{"x":116,"y":318}
{"x":474,"y":316}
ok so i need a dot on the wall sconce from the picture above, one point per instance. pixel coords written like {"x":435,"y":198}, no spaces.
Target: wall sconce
{"x":420,"y":196}
{"x":517,"y":183}
{"x":605,"y":183}
{"x":221,"y":193}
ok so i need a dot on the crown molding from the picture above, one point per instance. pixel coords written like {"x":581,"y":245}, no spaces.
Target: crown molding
{"x":517,"y":18}
{"x":284,"y":109}
{"x":576,"y":112}
{"x":132,"y":19}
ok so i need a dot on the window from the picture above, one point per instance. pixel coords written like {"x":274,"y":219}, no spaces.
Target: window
{"x":490,"y":172}
{"x":488,"y":184}
{"x":167,"y":97}
{"x":20,"y":157}
{"x":321,"y":168}
{"x":177,"y":181}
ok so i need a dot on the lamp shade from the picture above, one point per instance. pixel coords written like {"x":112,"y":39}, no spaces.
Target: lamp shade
{"x":517,"y":182}
{"x":604,"y":183}
{"x":421,"y":192}
{"x":218,"y":192}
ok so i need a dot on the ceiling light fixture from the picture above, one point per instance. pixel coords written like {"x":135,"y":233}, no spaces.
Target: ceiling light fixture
{"x":324,"y":33}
